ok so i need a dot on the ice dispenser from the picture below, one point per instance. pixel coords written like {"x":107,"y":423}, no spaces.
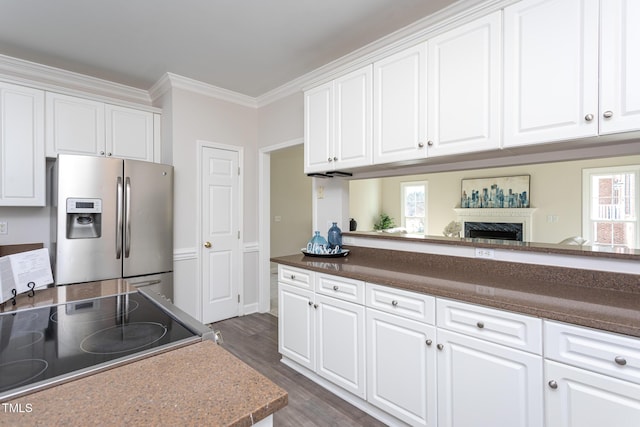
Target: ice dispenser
{"x":84,"y":218}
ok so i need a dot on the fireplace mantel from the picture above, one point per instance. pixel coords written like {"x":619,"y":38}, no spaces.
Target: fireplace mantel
{"x":520,"y":215}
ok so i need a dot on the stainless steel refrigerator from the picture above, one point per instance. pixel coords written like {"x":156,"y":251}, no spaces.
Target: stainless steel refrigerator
{"x":113,"y":219}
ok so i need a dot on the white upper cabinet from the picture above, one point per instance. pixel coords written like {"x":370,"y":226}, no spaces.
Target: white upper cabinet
{"x":338,"y":129}
{"x":74,"y":126}
{"x":22,"y":160}
{"x":129,"y":133}
{"x":550,"y":71}
{"x":619,"y":66}
{"x":82,"y":126}
{"x":400,"y":106}
{"x":464,"y":86}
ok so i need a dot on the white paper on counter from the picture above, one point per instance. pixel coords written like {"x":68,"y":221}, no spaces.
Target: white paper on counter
{"x":17,"y":270}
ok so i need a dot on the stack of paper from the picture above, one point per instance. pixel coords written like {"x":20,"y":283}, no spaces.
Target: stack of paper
{"x":23,"y":272}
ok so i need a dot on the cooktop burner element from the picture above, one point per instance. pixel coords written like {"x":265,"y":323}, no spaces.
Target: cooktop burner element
{"x":48,"y":345}
{"x":123,"y":338}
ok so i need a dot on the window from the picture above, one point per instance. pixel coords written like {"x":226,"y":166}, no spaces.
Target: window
{"x":610,"y":206}
{"x":414,"y":212}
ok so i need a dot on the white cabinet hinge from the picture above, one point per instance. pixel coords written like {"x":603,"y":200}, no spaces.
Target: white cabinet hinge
{"x":238,"y":234}
{"x":238,"y":298}
{"x":238,"y":170}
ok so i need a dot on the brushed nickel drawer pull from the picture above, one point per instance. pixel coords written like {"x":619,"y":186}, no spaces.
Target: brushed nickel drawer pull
{"x":394,"y":303}
{"x":480,"y":325}
{"x":429,"y":342}
{"x":335,"y":287}
{"x":620,"y":360}
{"x":553,"y":384}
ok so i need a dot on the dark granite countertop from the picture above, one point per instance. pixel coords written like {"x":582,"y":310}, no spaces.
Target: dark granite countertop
{"x":602,"y":300}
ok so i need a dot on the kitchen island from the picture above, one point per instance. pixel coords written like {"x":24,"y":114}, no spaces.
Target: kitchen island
{"x":199,"y":384}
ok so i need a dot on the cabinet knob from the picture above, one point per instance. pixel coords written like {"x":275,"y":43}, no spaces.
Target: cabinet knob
{"x":310,"y":303}
{"x":109,"y":154}
{"x":430,"y":143}
{"x":293,"y":277}
{"x":315,"y":305}
{"x":335,"y":159}
{"x":335,"y":287}
{"x":429,"y":342}
{"x":553,"y":384}
{"x":207,"y":245}
{"x":394,"y":303}
{"x":420,"y":144}
{"x":588,"y":117}
{"x":329,"y":159}
{"x":440,"y":346}
{"x":607,"y":114}
{"x":102,"y":153}
{"x":480,"y":325}
{"x":620,"y":360}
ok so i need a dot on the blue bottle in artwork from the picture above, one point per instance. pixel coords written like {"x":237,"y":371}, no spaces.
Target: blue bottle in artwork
{"x":334,"y":236}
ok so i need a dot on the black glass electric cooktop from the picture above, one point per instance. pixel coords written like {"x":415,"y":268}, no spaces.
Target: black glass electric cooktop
{"x":48,"y":345}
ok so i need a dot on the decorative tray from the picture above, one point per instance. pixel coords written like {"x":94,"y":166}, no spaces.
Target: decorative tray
{"x":342,"y":253}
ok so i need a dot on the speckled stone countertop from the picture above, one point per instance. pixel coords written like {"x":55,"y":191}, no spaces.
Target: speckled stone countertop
{"x":548,"y":248}
{"x":196,"y":385}
{"x":602,"y":300}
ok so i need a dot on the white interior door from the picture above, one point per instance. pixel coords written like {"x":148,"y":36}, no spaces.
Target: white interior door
{"x":220,"y":250}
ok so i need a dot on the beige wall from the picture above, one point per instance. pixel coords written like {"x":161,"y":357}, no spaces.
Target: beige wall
{"x":290,"y":201}
{"x":556,"y":189}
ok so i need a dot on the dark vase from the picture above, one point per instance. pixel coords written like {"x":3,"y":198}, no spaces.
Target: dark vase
{"x":353,"y":224}
{"x":334,"y":236}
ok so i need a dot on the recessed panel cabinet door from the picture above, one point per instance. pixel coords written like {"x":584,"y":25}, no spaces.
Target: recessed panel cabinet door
{"x":318,"y":129}
{"x":22,"y":163}
{"x":296,"y":325}
{"x":129,"y":133}
{"x":580,"y":398}
{"x":620,"y":66}
{"x":399,"y":106}
{"x":464,"y":86}
{"x":401,"y":367}
{"x":486,"y":384}
{"x":550,"y":71}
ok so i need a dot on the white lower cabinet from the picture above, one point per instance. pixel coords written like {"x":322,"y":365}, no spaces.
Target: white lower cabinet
{"x":401,"y":367}
{"x":485,"y":384}
{"x":321,"y":333}
{"x":579,"y":398}
{"x":410,"y":358}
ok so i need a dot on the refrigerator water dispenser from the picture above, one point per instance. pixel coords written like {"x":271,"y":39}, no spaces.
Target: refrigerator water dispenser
{"x":84,"y":218}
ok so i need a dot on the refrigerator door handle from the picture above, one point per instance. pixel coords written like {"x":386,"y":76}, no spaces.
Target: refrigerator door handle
{"x":127,"y":217}
{"x":119,"y":220}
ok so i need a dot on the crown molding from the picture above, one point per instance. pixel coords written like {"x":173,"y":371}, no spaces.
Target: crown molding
{"x":68,"y":82}
{"x":174,"y":81}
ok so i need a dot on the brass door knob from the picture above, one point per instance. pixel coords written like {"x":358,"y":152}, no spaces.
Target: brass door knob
{"x":207,"y":245}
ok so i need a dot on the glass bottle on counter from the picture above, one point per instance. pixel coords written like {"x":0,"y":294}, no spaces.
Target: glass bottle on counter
{"x":334,"y":236}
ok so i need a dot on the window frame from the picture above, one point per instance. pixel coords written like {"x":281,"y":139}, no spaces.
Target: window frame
{"x":403,"y":217}
{"x":587,"y":197}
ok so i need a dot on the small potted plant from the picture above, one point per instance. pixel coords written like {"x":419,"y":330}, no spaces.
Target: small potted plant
{"x":384,"y":222}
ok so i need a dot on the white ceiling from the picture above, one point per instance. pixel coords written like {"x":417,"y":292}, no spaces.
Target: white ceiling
{"x":246,"y":46}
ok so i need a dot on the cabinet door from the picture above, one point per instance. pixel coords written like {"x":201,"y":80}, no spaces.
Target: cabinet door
{"x":340,"y":343}
{"x":486,"y":384}
{"x":129,"y":133}
{"x":353,"y":118}
{"x":401,"y":367}
{"x":22,"y":163}
{"x":296,"y":325}
{"x":399,"y":106}
{"x":579,"y":398}
{"x":619,"y":66}
{"x":318,"y":129}
{"x":551,"y":71}
{"x":464,"y":86}
{"x":74,"y":126}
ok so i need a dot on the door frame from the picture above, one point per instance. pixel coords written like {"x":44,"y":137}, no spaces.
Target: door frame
{"x":200,"y":146}
{"x":264,"y":220}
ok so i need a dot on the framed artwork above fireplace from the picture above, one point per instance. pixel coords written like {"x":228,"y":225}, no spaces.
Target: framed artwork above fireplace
{"x":510,"y":192}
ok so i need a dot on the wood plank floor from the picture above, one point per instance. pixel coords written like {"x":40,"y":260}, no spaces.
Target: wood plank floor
{"x":254,"y":339}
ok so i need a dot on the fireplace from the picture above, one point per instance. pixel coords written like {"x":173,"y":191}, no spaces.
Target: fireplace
{"x":497,"y":223}
{"x":493,"y":230}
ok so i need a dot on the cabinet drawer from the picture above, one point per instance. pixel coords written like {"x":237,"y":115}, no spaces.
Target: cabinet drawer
{"x":411,"y":305}
{"x":501,"y":327}
{"x":295,"y":276}
{"x":610,"y":354}
{"x":340,"y":287}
